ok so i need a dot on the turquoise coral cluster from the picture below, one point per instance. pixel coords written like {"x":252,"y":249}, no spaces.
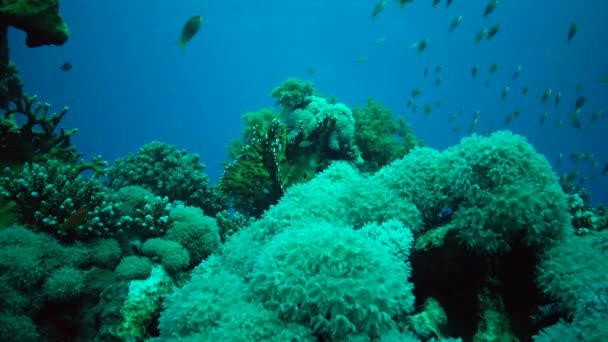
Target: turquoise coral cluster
{"x":327,"y":224}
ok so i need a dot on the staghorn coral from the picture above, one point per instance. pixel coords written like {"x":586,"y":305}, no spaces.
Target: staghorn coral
{"x":36,"y":139}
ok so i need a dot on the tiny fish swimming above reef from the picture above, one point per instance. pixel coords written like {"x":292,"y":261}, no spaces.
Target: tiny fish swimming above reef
{"x":505,"y":93}
{"x":572,"y":31}
{"x":475,"y":70}
{"x":189,"y":31}
{"x":481,"y":34}
{"x":67,"y":66}
{"x":379,"y":8}
{"x":455,"y":23}
{"x":490,"y":7}
{"x":421,"y":45}
{"x":580,"y":101}
{"x":493,"y":31}
{"x":517,"y":72}
{"x":546,"y":95}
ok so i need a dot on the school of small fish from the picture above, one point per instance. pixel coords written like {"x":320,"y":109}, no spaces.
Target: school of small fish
{"x":547,"y":97}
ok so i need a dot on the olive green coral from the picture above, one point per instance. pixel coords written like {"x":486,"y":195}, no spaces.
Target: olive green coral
{"x":380,"y":137}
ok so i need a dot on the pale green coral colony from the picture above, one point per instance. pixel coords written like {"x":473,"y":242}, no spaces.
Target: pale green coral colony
{"x":329,"y":223}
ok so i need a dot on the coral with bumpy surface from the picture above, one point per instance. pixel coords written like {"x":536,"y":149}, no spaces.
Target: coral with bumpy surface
{"x":380,"y":137}
{"x":52,"y":196}
{"x":333,"y":281}
{"x":166,"y":171}
{"x":504,"y":192}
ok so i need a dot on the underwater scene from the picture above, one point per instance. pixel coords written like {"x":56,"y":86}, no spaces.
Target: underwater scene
{"x":321,"y":170}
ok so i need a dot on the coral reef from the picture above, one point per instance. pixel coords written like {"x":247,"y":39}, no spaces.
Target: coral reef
{"x":166,"y":171}
{"x":380,"y":137}
{"x":279,"y":151}
{"x":39,"y":19}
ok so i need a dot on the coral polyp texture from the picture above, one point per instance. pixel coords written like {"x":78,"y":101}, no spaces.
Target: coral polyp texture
{"x":166,"y":171}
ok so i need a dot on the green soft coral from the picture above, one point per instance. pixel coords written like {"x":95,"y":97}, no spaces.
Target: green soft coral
{"x":292,"y":94}
{"x":380,"y":137}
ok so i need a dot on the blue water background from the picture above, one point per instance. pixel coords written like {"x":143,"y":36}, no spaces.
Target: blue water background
{"x":131,"y":83}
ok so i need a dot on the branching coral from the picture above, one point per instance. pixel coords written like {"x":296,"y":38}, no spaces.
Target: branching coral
{"x":52,"y":196}
{"x":36,"y":139}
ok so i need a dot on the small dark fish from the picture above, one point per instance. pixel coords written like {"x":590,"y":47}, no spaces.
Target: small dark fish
{"x":517,"y":72}
{"x":546,"y":95}
{"x":449,"y":3}
{"x":490,"y":7}
{"x":455,"y":23}
{"x":576,"y":122}
{"x":508,"y":119}
{"x":311,"y":70}
{"x":580,"y":101}
{"x":436,"y":2}
{"x":379,"y":7}
{"x":558,"y":97}
{"x":426,"y":72}
{"x":516,"y":113}
{"x":493,"y":68}
{"x":596,"y":116}
{"x":421,"y":45}
{"x":579,"y":87}
{"x":605,"y":169}
{"x":572,"y":31}
{"x":428,"y":108}
{"x":493,"y":31}
{"x":438,"y":68}
{"x":438,"y":81}
{"x":481,"y":34}
{"x":524,"y":90}
{"x":66,"y":66}
{"x":603,"y":79}
{"x":543,"y":118}
{"x":475,"y":70}
{"x":505,"y":93}
{"x":410,"y":101}
{"x":190,"y":29}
